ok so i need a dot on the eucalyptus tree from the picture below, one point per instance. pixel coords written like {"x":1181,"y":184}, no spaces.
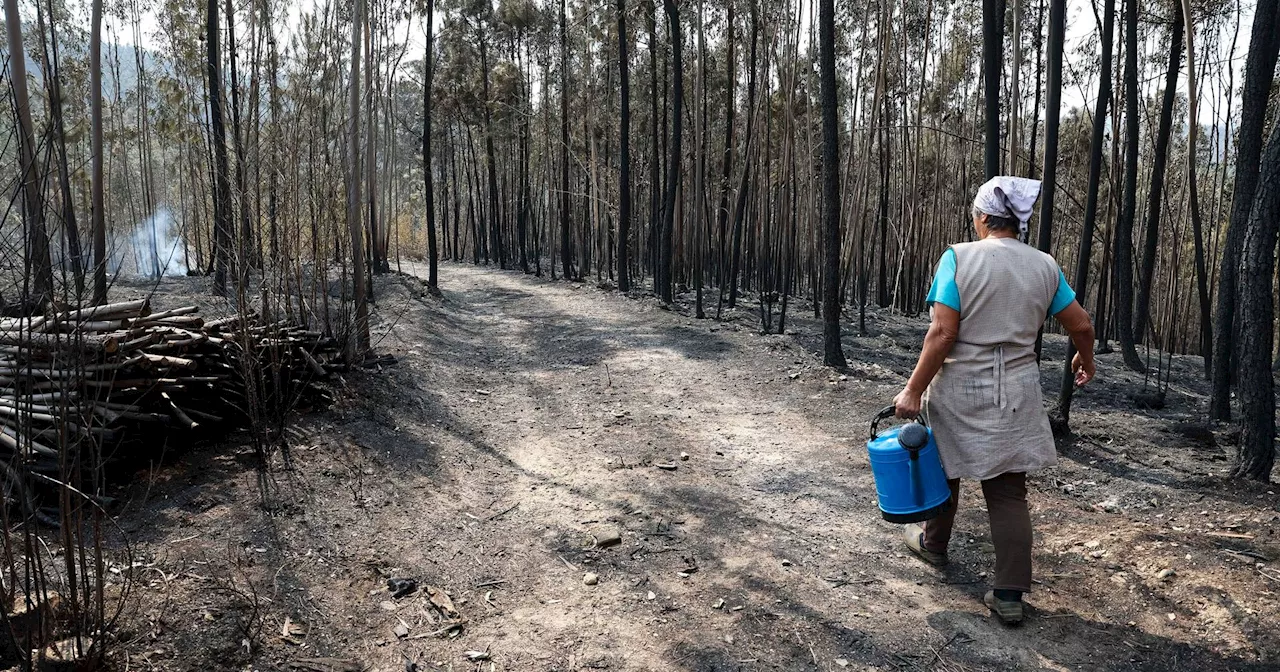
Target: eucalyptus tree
{"x":37,"y":260}
{"x":428,"y":170}
{"x":1053,"y":105}
{"x":1123,"y":269}
{"x":740,"y":209}
{"x":1081,"y":278}
{"x":358,"y":346}
{"x":566,"y":243}
{"x":624,"y":152}
{"x":833,"y":355}
{"x":98,"y":222}
{"x":221,"y":174}
{"x":477,"y":16}
{"x":663,"y":280}
{"x":992,"y":68}
{"x":1193,"y":189}
{"x":1155,"y":194}
{"x":52,"y":78}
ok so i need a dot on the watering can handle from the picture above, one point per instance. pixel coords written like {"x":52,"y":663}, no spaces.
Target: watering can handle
{"x":885,"y":413}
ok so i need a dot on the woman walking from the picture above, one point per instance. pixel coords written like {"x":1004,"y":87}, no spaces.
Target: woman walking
{"x":978,"y":380}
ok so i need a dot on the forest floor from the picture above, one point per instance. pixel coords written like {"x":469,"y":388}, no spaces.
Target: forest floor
{"x":526,"y":419}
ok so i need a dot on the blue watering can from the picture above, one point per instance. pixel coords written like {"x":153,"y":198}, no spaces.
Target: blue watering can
{"x":910,"y":482}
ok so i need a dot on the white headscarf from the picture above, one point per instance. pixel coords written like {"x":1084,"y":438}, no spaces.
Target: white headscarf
{"x":1007,"y":196}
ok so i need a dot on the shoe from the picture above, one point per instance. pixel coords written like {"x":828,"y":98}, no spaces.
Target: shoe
{"x":1009,"y":611}
{"x":914,"y":536}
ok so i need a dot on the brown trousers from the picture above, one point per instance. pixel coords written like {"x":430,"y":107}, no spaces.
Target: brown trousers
{"x":1010,"y":519}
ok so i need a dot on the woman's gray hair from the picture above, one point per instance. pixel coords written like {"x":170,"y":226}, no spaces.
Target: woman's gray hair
{"x":996,"y":222}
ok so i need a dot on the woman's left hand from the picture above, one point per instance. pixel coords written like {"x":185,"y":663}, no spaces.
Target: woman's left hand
{"x":907,"y":404}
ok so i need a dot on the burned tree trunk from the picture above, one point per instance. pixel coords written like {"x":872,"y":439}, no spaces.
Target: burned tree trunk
{"x":97,"y":217}
{"x":833,"y":355}
{"x":666,"y":237}
{"x":222,"y":173}
{"x":624,"y":155}
{"x":1256,"y":453}
{"x":429,"y":187}
{"x":1123,"y":270}
{"x":992,"y":66}
{"x":566,"y":245}
{"x":740,"y":209}
{"x":1053,"y":105}
{"x":1081,"y":278}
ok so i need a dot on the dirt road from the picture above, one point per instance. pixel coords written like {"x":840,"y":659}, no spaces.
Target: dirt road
{"x":527,"y":418}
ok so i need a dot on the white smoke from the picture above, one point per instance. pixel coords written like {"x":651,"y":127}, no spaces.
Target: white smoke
{"x":153,"y":249}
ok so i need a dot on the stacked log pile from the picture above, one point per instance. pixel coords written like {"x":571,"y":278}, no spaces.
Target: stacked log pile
{"x":126,"y":381}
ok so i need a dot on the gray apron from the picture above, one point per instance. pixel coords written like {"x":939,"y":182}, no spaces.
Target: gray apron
{"x":985,"y":405}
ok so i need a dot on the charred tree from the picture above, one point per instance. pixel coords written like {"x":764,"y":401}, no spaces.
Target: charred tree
{"x":624,"y":154}
{"x":1052,"y":119}
{"x":992,"y":67}
{"x":97,"y":218}
{"x":833,"y":355}
{"x":1096,"y":144}
{"x":740,"y":209}
{"x":1123,"y":271}
{"x":666,"y":237}
{"x":429,"y":188}
{"x":222,"y":232}
{"x":566,"y":244}
{"x":1256,"y":453}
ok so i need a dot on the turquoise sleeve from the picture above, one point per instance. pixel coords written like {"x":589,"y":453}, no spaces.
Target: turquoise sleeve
{"x":944,"y":289}
{"x":1063,"y":297}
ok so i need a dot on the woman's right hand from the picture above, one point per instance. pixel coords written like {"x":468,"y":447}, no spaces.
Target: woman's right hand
{"x":907,"y":404}
{"x":1084,"y":369}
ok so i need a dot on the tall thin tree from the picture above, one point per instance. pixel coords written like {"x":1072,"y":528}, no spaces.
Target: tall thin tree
{"x":833,"y":355}
{"x":1193,"y":190}
{"x":53,"y":85}
{"x":1096,"y":144}
{"x":358,"y":346}
{"x":97,"y":218}
{"x":566,"y":243}
{"x":222,"y":173}
{"x":740,"y":209}
{"x":427,"y":167}
{"x":624,"y":154}
{"x":1123,"y":257}
{"x":666,"y":237}
{"x":1155,"y":194}
{"x":39,"y":263}
{"x":1052,"y":114}
{"x":992,"y":67}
